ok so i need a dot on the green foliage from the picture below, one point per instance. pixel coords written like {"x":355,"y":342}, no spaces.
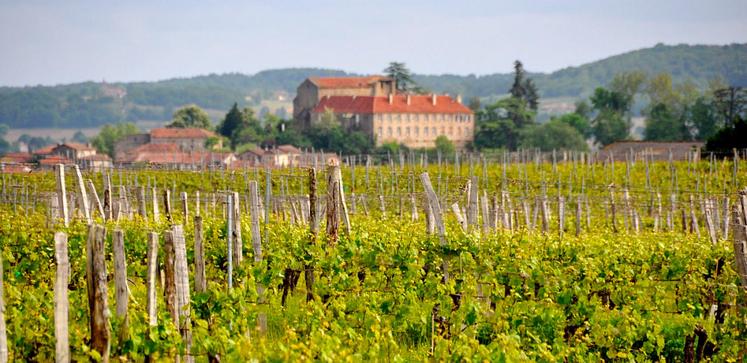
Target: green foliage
{"x":401,"y":75}
{"x":110,"y":134}
{"x":609,"y":126}
{"x":191,"y":116}
{"x":499,"y":124}
{"x":728,"y":138}
{"x":444,"y":145}
{"x":662,"y":125}
{"x":80,"y":137}
{"x":578,"y":121}
{"x":553,"y":135}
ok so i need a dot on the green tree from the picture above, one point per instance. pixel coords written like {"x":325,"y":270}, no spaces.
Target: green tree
{"x":553,"y":135}
{"x":578,"y":122}
{"x":399,"y":72}
{"x":232,"y":122}
{"x":444,"y":145}
{"x":4,"y":144}
{"x":498,"y":125}
{"x":609,"y":126}
{"x":109,"y":135}
{"x":190,"y":116}
{"x":663,"y":125}
{"x":704,"y":119}
{"x":80,"y":137}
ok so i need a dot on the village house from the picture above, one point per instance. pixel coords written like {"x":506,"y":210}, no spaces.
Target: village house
{"x":73,"y":151}
{"x":186,"y":140}
{"x":280,"y":156}
{"x":311,"y":91}
{"x":372,"y":105}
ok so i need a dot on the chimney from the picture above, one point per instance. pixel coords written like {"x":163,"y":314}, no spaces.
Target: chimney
{"x":408,"y":99}
{"x":459,"y":98}
{"x":433,"y":99}
{"x":391,"y":98}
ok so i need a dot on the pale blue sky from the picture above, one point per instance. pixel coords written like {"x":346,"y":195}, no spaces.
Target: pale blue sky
{"x":51,"y":42}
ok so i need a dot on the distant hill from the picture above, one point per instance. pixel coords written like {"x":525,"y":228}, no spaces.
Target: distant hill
{"x":91,"y":104}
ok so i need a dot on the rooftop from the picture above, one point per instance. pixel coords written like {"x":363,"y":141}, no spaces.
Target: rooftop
{"x":346,"y":82}
{"x":180,"y":133}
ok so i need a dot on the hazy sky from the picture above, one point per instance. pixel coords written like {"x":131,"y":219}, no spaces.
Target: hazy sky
{"x":51,"y":42}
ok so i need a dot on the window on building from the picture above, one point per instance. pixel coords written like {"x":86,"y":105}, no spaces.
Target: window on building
{"x":425,"y":131}
{"x":396,"y":117}
{"x":399,"y":131}
{"x":389,"y":117}
{"x":417,"y":131}
{"x":407,"y":131}
{"x":380,"y":132}
{"x":433,"y":131}
{"x":389,"y":132}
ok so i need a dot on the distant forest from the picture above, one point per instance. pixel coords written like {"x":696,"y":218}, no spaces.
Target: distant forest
{"x":92,"y":104}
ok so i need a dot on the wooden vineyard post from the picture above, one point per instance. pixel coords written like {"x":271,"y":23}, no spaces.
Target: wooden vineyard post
{"x":740,"y":248}
{"x":85,"y":206}
{"x":120,"y":283}
{"x":169,"y":285}
{"x":561,"y":216}
{"x":485,"y":212}
{"x":257,"y":247}
{"x":185,"y":206}
{"x":343,"y":212}
{"x":99,"y":206}
{"x":472,"y":202}
{"x":459,"y":217}
{"x":98,"y":303}
{"x":181,"y":280}
{"x":61,"y":303}
{"x":313,"y":230}
{"x":229,"y":238}
{"x":578,"y":216}
{"x":3,"y":332}
{"x":151,"y":279}
{"x":238,"y":243}
{"x":333,"y":206}
{"x":167,"y":204}
{"x":613,"y":209}
{"x":200,"y":280}
{"x":61,"y":194}
{"x":438,"y":218}
{"x":141,"y":202}
{"x":156,"y":213}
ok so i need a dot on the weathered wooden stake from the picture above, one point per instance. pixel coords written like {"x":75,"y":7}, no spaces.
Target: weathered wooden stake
{"x":98,"y":303}
{"x":151,"y":279}
{"x":120,"y":283}
{"x":61,"y":194}
{"x":200,"y":280}
{"x":61,"y":303}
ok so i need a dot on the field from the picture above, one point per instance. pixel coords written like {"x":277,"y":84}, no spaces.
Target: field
{"x":486,"y":261}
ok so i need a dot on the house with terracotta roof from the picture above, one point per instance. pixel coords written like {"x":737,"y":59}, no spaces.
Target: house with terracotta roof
{"x":314,"y":89}
{"x":73,"y":151}
{"x":96,"y":162}
{"x":372,"y":105}
{"x":413,"y":120}
{"x":280,"y":156}
{"x":164,"y":140}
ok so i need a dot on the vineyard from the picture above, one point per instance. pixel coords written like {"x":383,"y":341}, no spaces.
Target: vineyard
{"x":578,"y":258}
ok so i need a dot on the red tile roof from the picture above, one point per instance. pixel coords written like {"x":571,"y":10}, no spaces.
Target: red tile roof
{"x":179,"y":157}
{"x":180,"y":133}
{"x":45,"y":150}
{"x":290,"y":149}
{"x":345,"y":82}
{"x":17,"y":158}
{"x":380,"y":104}
{"x":77,"y":146}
